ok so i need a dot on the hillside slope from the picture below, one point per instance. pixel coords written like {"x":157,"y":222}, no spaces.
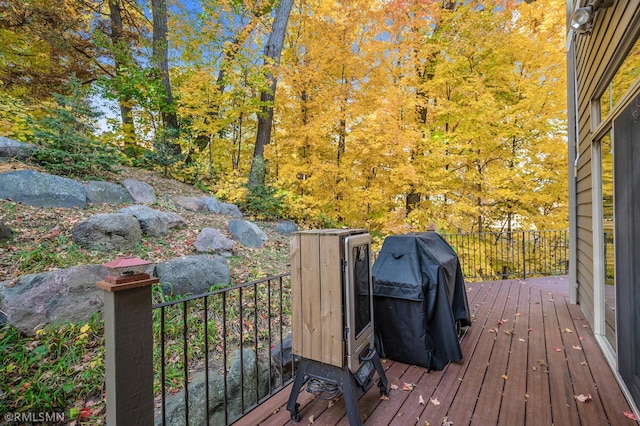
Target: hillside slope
{"x":42,"y":236}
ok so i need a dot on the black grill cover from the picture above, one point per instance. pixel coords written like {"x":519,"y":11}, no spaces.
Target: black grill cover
{"x":419,"y":295}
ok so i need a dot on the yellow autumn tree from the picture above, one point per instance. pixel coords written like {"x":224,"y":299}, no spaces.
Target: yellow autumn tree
{"x":400,"y":113}
{"x":217,"y":85}
{"x":343,"y":125}
{"x":498,"y":112}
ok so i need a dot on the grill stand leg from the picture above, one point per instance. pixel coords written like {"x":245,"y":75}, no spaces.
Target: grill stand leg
{"x":383,"y":384}
{"x":342,"y":377}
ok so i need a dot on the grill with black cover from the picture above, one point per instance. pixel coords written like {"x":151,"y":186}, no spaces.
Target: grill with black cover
{"x":420,"y":300}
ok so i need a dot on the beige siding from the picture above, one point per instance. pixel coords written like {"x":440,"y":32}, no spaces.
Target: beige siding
{"x":594,"y":70}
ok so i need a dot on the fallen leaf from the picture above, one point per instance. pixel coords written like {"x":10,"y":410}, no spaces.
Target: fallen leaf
{"x":568,"y":330}
{"x":502,"y":321}
{"x":421,"y":400}
{"x":407,"y":386}
{"x":331,"y":403}
{"x":542,"y":362}
{"x":557,"y":349}
{"x":434,"y":401}
{"x":504,"y":376}
{"x":582,"y":397}
{"x":521,"y":339}
{"x":529,"y":329}
{"x":85,"y":413}
{"x":518,"y":314}
{"x":394,"y":386}
{"x":581,"y":338}
{"x":446,"y":422}
{"x":311,"y":419}
{"x":577,"y":347}
{"x":584,"y":363}
{"x":508,"y":332}
{"x":526,"y":395}
{"x":630,"y":415}
{"x":534,"y":368}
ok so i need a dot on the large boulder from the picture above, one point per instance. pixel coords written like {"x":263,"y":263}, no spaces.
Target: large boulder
{"x":100,"y":192}
{"x":42,"y":190}
{"x":255,"y":376}
{"x":283,"y":360}
{"x":286,"y":227}
{"x":141,"y":192}
{"x":230,"y":209}
{"x":108,"y":231}
{"x":192,"y":274}
{"x":193,"y":204}
{"x":174,"y":408}
{"x":247,"y":233}
{"x":212,"y":204}
{"x":213,"y":241}
{"x":13,"y":148}
{"x":155,"y":223}
{"x":59,"y":296}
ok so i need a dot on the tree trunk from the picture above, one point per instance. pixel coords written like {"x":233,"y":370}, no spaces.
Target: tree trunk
{"x":272,"y":51}
{"x":120,"y":52}
{"x":161,"y":60}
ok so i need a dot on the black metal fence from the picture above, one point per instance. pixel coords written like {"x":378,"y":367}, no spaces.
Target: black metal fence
{"x":227,"y":345}
{"x":219,"y":355}
{"x":517,"y":254}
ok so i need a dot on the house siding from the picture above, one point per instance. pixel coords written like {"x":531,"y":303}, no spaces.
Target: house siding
{"x":594,"y":58}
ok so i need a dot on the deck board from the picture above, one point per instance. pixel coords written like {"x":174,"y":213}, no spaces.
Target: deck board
{"x":487,"y":407}
{"x":538,"y":407}
{"x":512,"y":372}
{"x":513,"y":404}
{"x":447,"y":391}
{"x":563,"y":407}
{"x":463,"y":406}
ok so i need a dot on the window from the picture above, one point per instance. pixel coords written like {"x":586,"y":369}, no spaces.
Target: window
{"x":624,"y":78}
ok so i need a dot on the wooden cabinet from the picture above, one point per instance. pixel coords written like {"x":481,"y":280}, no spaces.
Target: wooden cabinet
{"x":323,"y":300}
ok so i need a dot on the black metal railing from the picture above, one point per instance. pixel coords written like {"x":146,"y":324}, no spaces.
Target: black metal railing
{"x":213,"y":358}
{"x":214,"y":353}
{"x":517,"y":254}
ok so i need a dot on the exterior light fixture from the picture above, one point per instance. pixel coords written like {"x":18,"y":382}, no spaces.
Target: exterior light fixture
{"x":125,"y":270}
{"x":582,"y":18}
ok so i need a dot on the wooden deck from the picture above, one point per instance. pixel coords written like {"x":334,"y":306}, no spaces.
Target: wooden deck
{"x":528,"y":354}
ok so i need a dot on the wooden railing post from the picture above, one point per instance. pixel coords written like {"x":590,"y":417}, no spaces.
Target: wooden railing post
{"x":128,"y":348}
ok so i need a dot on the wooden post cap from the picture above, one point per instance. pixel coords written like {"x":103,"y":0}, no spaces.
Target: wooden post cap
{"x":126,"y":273}
{"x":118,"y":284}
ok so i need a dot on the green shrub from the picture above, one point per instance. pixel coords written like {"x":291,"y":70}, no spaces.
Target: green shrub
{"x":263,"y":202}
{"x":67,"y":139}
